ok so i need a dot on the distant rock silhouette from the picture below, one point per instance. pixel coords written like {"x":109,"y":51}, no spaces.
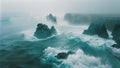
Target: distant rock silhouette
{"x":78,"y":19}
{"x":64,"y":55}
{"x":97,"y":29}
{"x":51,"y":18}
{"x":116,"y":36}
{"x":42,"y":31}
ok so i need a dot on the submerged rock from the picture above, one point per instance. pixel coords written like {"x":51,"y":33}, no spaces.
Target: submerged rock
{"x":52,"y":18}
{"x":42,"y":31}
{"x":116,"y":45}
{"x":116,"y":36}
{"x":64,"y":55}
{"x":97,"y":29}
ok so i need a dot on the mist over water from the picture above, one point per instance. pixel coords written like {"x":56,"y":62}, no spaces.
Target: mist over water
{"x":26,"y":13}
{"x":19,"y":48}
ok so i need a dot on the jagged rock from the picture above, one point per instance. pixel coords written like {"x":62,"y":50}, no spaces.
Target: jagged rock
{"x":64,"y":55}
{"x":116,"y":45}
{"x":51,"y":18}
{"x":43,"y":31}
{"x":97,"y":29}
{"x":53,"y":30}
{"x":116,"y":36}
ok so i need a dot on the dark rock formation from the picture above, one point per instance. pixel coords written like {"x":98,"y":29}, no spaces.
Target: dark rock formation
{"x":116,"y":36}
{"x":64,"y":55}
{"x":97,"y":29}
{"x":43,"y":31}
{"x":53,"y":30}
{"x":51,"y":18}
{"x":116,"y":45}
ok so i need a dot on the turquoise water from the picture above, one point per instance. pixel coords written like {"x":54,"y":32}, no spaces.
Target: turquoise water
{"x":28,"y":52}
{"x":22,"y":50}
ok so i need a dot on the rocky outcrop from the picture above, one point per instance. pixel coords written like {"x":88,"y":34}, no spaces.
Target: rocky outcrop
{"x":42,"y":31}
{"x":97,"y":29}
{"x":116,"y":36}
{"x":51,"y":18}
{"x":53,"y":30}
{"x":64,"y":55}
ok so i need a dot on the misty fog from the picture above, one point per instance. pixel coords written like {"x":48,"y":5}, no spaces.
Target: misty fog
{"x":59,"y":33}
{"x":17,"y":15}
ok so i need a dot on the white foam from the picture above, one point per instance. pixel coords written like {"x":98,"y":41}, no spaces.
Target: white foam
{"x":52,"y":51}
{"x":29,"y":35}
{"x":115,"y":52}
{"x":77,"y":60}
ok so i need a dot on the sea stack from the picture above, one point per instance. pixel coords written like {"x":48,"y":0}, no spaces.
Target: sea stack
{"x":43,"y":31}
{"x":97,"y":29}
{"x":51,"y":18}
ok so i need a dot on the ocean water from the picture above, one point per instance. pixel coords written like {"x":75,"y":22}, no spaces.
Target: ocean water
{"x":23,"y":50}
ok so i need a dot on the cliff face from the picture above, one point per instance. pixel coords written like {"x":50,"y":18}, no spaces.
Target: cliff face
{"x":97,"y":29}
{"x":78,"y":19}
{"x":116,"y":36}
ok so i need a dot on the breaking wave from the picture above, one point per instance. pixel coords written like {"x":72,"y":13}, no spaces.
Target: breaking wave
{"x":77,"y":60}
{"x":89,"y":51}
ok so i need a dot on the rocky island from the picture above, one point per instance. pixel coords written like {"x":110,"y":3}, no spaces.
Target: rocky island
{"x":43,"y":31}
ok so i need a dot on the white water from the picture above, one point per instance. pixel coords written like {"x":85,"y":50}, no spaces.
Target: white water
{"x":101,"y":47}
{"x":77,"y":60}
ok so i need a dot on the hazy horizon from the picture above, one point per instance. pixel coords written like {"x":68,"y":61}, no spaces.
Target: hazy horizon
{"x":27,"y":13}
{"x":59,"y":7}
